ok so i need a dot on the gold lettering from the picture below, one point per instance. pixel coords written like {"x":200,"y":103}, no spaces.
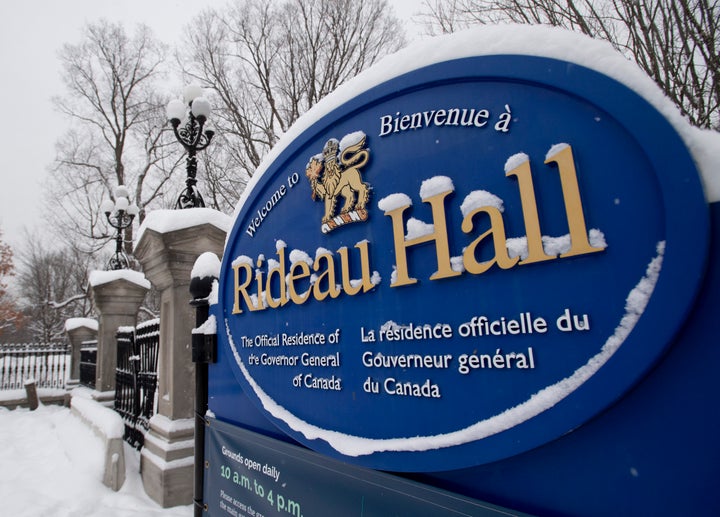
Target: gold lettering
{"x":401,"y":268}
{"x":292,"y":276}
{"x":536,"y":253}
{"x":580,"y":244}
{"x":497,"y":229}
{"x":280,"y":273}
{"x":325,"y":283}
{"x":366,"y":284}
{"x":327,"y":275}
{"x":439,"y":236}
{"x":259,"y":282}
{"x":242,"y":288}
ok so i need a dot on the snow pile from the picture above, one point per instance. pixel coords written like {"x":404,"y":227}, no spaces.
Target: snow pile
{"x":209,"y":328}
{"x":108,"y":422}
{"x":75,"y":323}
{"x":53,"y":463}
{"x":417,"y":229}
{"x":393,"y":202}
{"x":434,"y":186}
{"x":515,"y":161}
{"x":206,"y":265}
{"x":165,"y":221}
{"x":704,"y":145}
{"x":105,"y":277}
{"x":19,"y":396}
{"x":479,"y":199}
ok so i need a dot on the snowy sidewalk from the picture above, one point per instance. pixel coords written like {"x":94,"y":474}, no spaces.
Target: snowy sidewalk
{"x":52,"y":464}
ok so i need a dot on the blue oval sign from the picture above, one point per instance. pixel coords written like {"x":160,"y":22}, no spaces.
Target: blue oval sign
{"x":462,"y":263}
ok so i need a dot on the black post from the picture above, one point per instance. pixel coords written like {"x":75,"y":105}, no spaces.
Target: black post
{"x":203,"y":353}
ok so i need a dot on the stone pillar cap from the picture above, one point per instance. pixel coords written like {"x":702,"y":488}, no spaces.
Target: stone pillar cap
{"x":75,"y":323}
{"x":118,"y":292}
{"x":167,"y":221}
{"x":170,"y":241}
{"x":105,"y":277}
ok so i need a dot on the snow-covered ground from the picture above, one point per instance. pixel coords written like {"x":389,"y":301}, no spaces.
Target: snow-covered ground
{"x":51,"y":464}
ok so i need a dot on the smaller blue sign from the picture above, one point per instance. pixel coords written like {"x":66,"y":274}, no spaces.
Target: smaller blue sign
{"x":248,"y":474}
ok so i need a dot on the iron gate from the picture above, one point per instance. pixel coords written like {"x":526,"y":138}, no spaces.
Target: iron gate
{"x":136,"y":378}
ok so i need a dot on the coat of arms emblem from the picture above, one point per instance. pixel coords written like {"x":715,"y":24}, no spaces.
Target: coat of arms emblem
{"x":335,"y":173}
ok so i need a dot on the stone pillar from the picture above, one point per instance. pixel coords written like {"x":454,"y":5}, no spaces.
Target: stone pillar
{"x":117,"y":296}
{"x":78,"y":330}
{"x":168,"y":244}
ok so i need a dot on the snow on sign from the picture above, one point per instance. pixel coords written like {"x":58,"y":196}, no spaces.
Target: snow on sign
{"x":461,"y":262}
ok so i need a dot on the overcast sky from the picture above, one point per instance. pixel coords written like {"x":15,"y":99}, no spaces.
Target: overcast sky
{"x":33,"y":32}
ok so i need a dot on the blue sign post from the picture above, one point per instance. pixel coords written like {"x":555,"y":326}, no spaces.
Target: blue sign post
{"x":459,"y":265}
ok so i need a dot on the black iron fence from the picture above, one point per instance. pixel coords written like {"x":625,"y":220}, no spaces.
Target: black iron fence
{"x":47,"y":364}
{"x":88,"y":363}
{"x":136,"y":374}
{"x":136,"y":378}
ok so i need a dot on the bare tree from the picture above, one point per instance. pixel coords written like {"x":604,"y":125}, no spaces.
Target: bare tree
{"x":676,"y":42}
{"x":269,"y":62}
{"x":53,"y":288}
{"x":116,"y":136}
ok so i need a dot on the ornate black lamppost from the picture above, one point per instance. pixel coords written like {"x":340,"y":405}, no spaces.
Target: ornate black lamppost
{"x":194,"y":112}
{"x":120,"y":215}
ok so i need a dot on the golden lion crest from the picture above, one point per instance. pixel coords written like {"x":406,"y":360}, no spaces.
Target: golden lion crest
{"x":335,"y":173}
